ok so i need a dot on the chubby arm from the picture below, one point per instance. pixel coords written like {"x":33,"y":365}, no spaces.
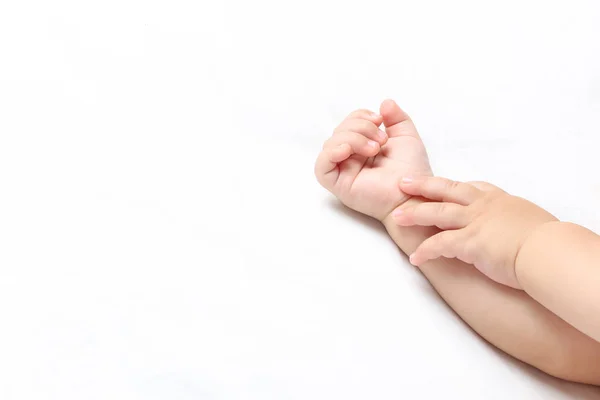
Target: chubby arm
{"x":559,"y":266}
{"x":507,"y":318}
{"x":362,"y":165}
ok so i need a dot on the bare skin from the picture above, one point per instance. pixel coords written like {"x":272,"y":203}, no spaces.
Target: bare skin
{"x":513,"y":242}
{"x":366,"y":177}
{"x":483,"y":226}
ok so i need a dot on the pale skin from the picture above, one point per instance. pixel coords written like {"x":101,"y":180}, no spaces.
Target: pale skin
{"x":513,"y":242}
{"x":367,"y":178}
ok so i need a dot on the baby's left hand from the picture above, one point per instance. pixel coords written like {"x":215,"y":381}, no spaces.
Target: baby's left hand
{"x":362,"y":165}
{"x":483,"y":225}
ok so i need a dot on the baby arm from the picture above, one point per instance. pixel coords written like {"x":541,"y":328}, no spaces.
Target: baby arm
{"x":516,"y":243}
{"x":365,"y":177}
{"x":559,"y":266}
{"x":507,"y":318}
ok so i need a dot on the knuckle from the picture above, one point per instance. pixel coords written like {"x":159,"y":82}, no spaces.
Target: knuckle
{"x":441,"y":208}
{"x":365,"y":126}
{"x":472,"y":236}
{"x":477,"y":183}
{"x":344,"y":126}
{"x":484,"y":186}
{"x":360,"y":116}
{"x":494,"y":196}
{"x":495,"y":193}
{"x":452,"y":185}
{"x":361,"y":112}
{"x":358,"y":139}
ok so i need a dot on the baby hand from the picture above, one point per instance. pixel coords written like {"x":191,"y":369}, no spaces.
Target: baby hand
{"x":362,"y":164}
{"x":482,"y":224}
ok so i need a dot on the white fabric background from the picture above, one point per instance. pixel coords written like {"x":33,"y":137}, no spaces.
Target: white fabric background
{"x":161,"y":232}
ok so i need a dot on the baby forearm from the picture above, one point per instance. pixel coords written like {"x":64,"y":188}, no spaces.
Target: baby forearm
{"x":507,"y":318}
{"x":558,"y":266}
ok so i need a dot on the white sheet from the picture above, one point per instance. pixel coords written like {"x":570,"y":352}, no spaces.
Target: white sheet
{"x":161,"y":233}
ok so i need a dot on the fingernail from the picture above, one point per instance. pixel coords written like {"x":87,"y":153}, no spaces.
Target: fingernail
{"x":397,"y":213}
{"x":407,"y":180}
{"x":375,"y":115}
{"x":372,"y":143}
{"x":382,"y":135}
{"x":411,"y":259}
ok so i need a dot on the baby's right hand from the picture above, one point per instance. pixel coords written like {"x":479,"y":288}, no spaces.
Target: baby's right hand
{"x":362,"y":165}
{"x":483,"y":225}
